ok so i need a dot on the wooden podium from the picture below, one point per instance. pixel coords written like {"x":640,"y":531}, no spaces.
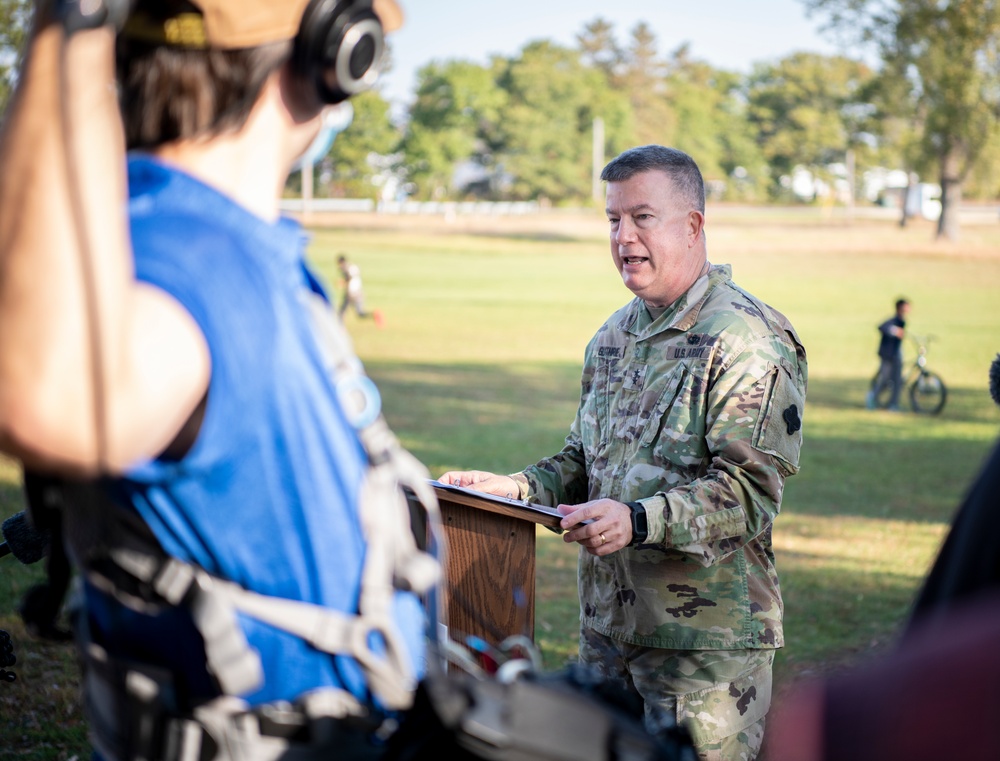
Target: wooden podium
{"x":490,"y":590}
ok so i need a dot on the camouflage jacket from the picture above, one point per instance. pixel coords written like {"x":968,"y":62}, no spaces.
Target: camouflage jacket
{"x":698,"y":415}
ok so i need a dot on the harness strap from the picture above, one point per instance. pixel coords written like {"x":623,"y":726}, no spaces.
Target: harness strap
{"x":235,"y":666}
{"x":130,"y":711}
{"x":393,"y":560}
{"x":213,"y":603}
{"x":391,"y":466}
{"x":120,"y":555}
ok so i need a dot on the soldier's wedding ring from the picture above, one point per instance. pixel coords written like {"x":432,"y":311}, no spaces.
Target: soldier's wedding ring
{"x":603,"y":539}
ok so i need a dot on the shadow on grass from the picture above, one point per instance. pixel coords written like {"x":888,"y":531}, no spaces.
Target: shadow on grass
{"x":854,"y":462}
{"x":836,"y":620}
{"x":894,"y":480}
{"x":962,"y":405}
{"x":878,"y":464}
{"x":480,"y":417}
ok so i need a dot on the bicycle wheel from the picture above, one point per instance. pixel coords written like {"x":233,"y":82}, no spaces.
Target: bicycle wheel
{"x":928,"y":393}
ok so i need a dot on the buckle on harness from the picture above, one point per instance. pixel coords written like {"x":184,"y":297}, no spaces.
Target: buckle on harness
{"x":174,"y":580}
{"x":283,"y":720}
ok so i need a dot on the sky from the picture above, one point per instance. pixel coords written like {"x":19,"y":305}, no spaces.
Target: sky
{"x":728,"y":34}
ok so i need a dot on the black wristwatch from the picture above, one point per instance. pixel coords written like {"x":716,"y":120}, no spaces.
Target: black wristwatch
{"x":640,"y":528}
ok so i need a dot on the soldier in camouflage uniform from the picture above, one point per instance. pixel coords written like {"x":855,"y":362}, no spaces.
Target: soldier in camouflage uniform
{"x":689,"y":422}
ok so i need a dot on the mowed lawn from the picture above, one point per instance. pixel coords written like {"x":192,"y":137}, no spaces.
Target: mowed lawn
{"x":479,"y":368}
{"x":478,"y":365}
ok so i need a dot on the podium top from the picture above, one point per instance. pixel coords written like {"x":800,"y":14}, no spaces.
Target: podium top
{"x":541,"y":514}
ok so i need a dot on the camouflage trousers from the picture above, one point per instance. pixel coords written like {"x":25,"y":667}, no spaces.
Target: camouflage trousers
{"x":722,"y":696}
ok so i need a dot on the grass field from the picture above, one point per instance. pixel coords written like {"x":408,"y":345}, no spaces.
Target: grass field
{"x":478,"y":365}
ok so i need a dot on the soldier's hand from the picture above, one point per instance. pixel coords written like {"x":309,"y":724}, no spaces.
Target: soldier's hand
{"x":601,"y":527}
{"x":481,"y":480}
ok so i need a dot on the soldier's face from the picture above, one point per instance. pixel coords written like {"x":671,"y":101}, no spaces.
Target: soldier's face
{"x":655,"y":237}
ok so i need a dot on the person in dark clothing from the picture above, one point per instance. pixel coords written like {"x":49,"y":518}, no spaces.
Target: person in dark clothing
{"x":968,"y":564}
{"x":890,"y":353}
{"x":933,"y":696}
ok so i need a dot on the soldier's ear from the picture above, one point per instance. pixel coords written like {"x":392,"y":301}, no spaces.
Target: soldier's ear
{"x":696,"y":224}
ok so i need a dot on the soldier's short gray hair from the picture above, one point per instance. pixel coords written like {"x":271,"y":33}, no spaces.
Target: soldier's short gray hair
{"x":677,"y":165}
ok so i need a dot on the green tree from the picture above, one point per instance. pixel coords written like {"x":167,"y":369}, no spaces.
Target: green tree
{"x":599,"y":48}
{"x":15,"y":16}
{"x":681,"y":102}
{"x":946,"y":53}
{"x":635,"y":70}
{"x":805,"y":111}
{"x":895,"y":123}
{"x":746,"y":171}
{"x":547,"y":131}
{"x":360,"y":157}
{"x":452,"y":120}
{"x":705,"y":115}
{"x":643,"y":78}
{"x":349,"y":169}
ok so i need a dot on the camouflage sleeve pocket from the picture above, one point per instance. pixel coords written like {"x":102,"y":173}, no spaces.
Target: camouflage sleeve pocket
{"x":779,"y":426}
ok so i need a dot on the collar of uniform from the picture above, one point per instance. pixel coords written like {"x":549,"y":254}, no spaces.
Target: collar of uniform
{"x":682,"y":314}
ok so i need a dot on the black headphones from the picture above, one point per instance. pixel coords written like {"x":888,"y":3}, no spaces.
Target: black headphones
{"x":339,"y":48}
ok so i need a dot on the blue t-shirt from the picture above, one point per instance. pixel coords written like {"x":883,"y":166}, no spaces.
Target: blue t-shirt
{"x":268,"y":494}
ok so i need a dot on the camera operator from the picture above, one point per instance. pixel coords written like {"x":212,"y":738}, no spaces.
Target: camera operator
{"x":170,"y":358}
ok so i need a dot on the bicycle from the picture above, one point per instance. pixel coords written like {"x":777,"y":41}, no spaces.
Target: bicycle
{"x":925,"y":388}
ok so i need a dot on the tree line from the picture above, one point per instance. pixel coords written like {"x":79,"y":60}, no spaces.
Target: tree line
{"x":533,"y":125}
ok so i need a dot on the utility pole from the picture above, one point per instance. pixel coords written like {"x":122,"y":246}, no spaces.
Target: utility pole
{"x":307,"y":191}
{"x":850,"y":184}
{"x":598,"y":158}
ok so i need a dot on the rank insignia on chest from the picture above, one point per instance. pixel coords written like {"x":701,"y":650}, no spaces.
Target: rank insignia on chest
{"x":635,"y":378}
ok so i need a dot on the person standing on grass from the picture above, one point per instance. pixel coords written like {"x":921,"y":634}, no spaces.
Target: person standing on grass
{"x":890,"y":354}
{"x":354,"y":292}
{"x":689,"y":422}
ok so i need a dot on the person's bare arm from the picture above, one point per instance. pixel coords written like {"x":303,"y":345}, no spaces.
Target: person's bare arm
{"x":96,"y":370}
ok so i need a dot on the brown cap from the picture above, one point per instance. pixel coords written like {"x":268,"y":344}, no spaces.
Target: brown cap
{"x":248,"y":23}
{"x":389,"y":13}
